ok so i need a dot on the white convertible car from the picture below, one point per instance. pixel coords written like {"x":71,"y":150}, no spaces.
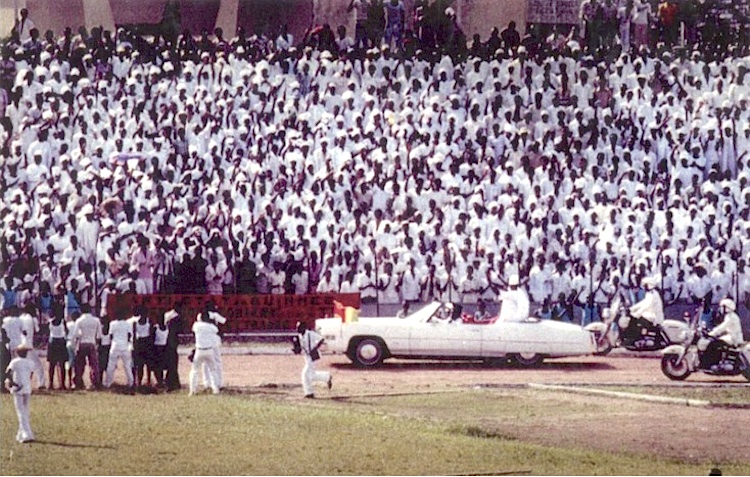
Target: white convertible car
{"x":438,"y":331}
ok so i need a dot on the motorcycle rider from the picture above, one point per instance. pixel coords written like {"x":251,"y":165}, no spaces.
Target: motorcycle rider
{"x":647,"y":313}
{"x":729,"y":334}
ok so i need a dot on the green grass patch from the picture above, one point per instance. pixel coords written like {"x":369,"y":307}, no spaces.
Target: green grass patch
{"x":253,"y":434}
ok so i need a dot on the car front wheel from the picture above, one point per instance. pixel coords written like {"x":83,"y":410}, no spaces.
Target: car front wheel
{"x":368,"y":352}
{"x":527,"y":360}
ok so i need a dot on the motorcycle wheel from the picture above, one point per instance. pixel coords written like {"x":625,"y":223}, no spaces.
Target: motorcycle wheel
{"x":673,"y":368}
{"x":604,"y":349}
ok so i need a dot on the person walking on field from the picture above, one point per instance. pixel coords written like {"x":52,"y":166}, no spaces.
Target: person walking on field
{"x":309,"y":342}
{"x":19,"y":382}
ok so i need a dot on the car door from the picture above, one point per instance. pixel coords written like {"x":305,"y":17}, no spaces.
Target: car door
{"x":513,"y":337}
{"x":441,"y":338}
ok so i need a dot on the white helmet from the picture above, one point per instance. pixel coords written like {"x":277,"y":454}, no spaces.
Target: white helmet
{"x":729,"y":304}
{"x":649,"y":282}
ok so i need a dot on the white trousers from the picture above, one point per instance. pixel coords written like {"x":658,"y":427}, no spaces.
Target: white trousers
{"x":309,"y":376}
{"x":21,"y":401}
{"x":127,"y":362}
{"x":204,"y":358}
{"x":219,"y":372}
{"x":41,"y":376}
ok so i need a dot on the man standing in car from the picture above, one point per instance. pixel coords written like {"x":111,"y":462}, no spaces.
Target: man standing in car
{"x":515,"y":302}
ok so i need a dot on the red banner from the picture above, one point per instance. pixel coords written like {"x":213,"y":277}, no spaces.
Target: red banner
{"x":244,"y":313}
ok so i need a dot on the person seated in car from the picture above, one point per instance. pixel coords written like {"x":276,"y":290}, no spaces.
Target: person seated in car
{"x":481,"y":314}
{"x":647,"y":313}
{"x":729,"y":333}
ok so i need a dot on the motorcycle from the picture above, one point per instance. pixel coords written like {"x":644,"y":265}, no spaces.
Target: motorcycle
{"x":613,"y":331}
{"x":681,"y":360}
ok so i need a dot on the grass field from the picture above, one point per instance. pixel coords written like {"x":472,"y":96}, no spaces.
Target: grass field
{"x":262,"y":433}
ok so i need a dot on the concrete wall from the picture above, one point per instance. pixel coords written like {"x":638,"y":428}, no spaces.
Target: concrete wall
{"x":475,"y":16}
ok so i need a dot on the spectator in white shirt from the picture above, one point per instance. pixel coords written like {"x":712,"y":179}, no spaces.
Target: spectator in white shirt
{"x":88,"y":333}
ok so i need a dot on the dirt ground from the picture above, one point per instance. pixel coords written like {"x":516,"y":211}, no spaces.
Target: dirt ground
{"x":668,"y":430}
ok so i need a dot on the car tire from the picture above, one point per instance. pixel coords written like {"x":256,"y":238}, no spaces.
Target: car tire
{"x":496,"y":362}
{"x":368,"y":352}
{"x":526,"y":360}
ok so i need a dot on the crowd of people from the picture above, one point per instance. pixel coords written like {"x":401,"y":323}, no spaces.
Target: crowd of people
{"x":222,"y":166}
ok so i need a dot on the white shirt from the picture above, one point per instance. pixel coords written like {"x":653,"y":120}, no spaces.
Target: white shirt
{"x":206,"y":334}
{"x":650,"y":308}
{"x":309,"y":340}
{"x":88,"y":328}
{"x":13,"y":327}
{"x":29,"y":325}
{"x":20,"y":370}
{"x":515,"y":305}
{"x":121,"y":333}
{"x":160,"y":336}
{"x":730,"y":330}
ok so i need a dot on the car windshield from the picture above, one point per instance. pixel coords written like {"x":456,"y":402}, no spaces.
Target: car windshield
{"x":425,"y":313}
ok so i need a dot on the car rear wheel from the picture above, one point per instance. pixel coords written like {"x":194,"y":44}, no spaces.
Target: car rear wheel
{"x":527,"y":360}
{"x":496,"y":362}
{"x":368,"y":352}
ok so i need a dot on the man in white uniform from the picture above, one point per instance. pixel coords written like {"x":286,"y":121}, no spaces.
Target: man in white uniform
{"x":121,"y":334}
{"x":29,"y":326}
{"x":648,"y":313}
{"x":218,"y":319}
{"x":515,"y":302}
{"x":310,"y":341}
{"x":206,"y":337}
{"x":19,"y":382}
{"x":651,"y":308}
{"x":729,"y":333}
{"x":13,"y":330}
